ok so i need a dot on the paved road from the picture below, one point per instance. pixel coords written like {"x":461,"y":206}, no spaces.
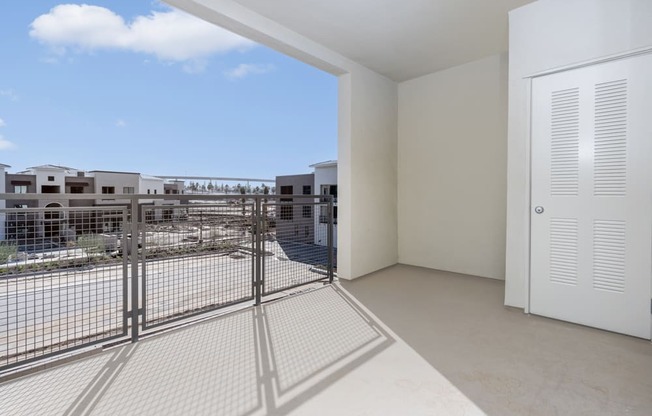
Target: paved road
{"x":50,"y":311}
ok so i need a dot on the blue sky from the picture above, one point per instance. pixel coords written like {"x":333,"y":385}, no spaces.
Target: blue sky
{"x":137,"y":86}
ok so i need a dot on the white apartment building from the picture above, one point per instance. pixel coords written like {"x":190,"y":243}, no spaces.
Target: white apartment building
{"x":2,"y":202}
{"x":325,"y":184}
{"x":62,"y":180}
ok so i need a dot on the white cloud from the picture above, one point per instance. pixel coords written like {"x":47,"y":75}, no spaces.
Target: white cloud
{"x":120,"y":123}
{"x":6,"y":144}
{"x":170,"y":35}
{"x":2,"y":123}
{"x":244,"y":70}
{"x":11,"y":94}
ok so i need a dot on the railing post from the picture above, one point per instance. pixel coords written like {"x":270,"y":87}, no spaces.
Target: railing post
{"x":258,"y":281}
{"x":134,"y":270}
{"x":330,"y":240}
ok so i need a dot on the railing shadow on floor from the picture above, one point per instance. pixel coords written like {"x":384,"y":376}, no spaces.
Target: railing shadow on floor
{"x":263,"y":360}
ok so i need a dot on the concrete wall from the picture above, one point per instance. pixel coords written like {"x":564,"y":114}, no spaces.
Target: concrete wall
{"x":118,"y":180}
{"x":545,"y":35}
{"x":155,"y":186}
{"x":452,"y":167}
{"x":42,"y":175}
{"x":31,"y":188}
{"x":367,"y":174}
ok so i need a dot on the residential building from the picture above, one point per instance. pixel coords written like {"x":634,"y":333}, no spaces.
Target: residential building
{"x":62,"y":180}
{"x":307,"y":222}
{"x":3,"y":202}
{"x":325,"y":184}
{"x":174,"y":187}
{"x":294,"y":221}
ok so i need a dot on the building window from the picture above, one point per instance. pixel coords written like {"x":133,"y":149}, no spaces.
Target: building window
{"x":128,"y":190}
{"x":20,"y":189}
{"x":50,"y":189}
{"x":50,"y":178}
{"x":108,"y":189}
{"x":20,"y":206}
{"x":307,"y":189}
{"x":76,"y":189}
{"x":155,"y":191}
{"x":286,"y":190}
{"x":323,"y":215}
{"x":307,"y":211}
{"x":329,"y":190}
{"x":307,"y":231}
{"x":287,"y":211}
{"x":148,"y":192}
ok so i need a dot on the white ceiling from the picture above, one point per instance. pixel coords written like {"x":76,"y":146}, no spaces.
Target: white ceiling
{"x":401,"y":39}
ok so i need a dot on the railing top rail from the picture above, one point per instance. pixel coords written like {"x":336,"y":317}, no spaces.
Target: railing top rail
{"x":162,"y":197}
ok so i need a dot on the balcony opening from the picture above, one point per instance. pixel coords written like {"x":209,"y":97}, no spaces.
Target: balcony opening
{"x":50,"y":189}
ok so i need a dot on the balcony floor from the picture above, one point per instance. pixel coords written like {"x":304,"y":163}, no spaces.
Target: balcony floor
{"x":405,"y":341}
{"x":507,"y":362}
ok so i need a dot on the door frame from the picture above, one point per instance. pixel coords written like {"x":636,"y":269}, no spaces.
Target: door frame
{"x":528,"y":193}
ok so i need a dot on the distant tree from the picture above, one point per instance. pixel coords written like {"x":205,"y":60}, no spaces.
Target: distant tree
{"x":257,"y":190}
{"x":226,"y":188}
{"x":210,"y":186}
{"x":243,"y":200}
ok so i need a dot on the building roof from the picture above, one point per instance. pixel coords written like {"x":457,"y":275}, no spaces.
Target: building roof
{"x":113,"y":171}
{"x":325,"y":164}
{"x":150,"y":177}
{"x":50,"y":167}
{"x":2,"y":165}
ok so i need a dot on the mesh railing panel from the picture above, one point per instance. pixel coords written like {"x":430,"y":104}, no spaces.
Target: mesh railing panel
{"x":198,"y":257}
{"x":295,"y":244}
{"x":62,"y":282}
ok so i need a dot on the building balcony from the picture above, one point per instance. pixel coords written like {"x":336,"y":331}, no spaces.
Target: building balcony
{"x":404,"y":340}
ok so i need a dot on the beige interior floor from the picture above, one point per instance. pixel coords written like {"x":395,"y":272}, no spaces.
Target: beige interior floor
{"x":507,"y":362}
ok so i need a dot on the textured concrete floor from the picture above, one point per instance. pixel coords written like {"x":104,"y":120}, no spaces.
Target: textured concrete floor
{"x":316,"y":353}
{"x":506,"y":362}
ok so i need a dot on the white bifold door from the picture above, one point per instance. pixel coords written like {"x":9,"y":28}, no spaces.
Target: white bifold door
{"x":591,"y":221}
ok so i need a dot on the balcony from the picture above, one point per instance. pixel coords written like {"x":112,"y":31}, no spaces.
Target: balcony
{"x":220,"y":330}
{"x":404,"y":340}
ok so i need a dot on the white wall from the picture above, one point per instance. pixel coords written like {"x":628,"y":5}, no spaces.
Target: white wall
{"x":545,"y":35}
{"x":452,"y":166}
{"x":118,"y":181}
{"x":154,"y":185}
{"x":367,"y":174}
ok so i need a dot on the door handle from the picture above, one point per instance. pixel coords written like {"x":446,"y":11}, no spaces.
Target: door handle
{"x":539,"y":210}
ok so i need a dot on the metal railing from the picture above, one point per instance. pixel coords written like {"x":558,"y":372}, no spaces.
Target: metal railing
{"x":80,"y":270}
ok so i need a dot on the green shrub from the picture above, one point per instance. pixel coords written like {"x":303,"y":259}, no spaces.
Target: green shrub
{"x":6,"y":251}
{"x":92,"y":243}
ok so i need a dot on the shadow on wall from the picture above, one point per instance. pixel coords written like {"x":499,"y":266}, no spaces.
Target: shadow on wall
{"x":261,"y":361}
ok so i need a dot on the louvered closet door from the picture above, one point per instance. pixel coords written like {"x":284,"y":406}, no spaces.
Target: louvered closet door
{"x":591,"y":224}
